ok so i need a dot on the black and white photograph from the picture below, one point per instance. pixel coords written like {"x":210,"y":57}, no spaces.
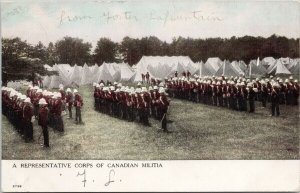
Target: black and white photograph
{"x":150,"y":80}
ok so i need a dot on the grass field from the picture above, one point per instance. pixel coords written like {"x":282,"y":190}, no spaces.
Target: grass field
{"x":197,"y":132}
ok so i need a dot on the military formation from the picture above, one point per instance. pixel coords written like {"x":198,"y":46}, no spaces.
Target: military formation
{"x":236,"y":93}
{"x":44,"y":106}
{"x":132,"y":104}
{"x":139,"y":103}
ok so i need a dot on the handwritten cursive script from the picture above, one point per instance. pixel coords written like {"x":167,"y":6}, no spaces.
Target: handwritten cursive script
{"x":84,"y":177}
{"x":163,"y":17}
{"x":167,"y":17}
{"x":110,"y":177}
{"x":67,"y":18}
{"x":15,"y":11}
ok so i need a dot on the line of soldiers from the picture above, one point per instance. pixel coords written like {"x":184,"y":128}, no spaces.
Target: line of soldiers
{"x":57,"y":103}
{"x":19,"y":111}
{"x":132,"y":104}
{"x":46,"y":106}
{"x":236,"y":92}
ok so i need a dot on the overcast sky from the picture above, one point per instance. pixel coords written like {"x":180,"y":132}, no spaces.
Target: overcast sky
{"x":51,"y":20}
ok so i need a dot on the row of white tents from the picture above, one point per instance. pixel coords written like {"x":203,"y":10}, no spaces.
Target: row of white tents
{"x":82,"y":75}
{"x":161,"y":67}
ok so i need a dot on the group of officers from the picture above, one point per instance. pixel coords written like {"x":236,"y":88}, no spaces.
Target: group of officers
{"x":132,"y":104}
{"x":236,"y":93}
{"x":42,"y":105}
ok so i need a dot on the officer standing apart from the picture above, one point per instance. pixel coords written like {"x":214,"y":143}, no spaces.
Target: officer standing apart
{"x":43,"y":120}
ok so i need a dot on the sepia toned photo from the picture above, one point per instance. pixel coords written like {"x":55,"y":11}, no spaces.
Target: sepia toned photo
{"x":150,"y":80}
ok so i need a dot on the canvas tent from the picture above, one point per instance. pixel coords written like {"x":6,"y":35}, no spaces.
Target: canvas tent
{"x":56,"y":80}
{"x":204,"y":70}
{"x":214,"y":62}
{"x":163,"y":66}
{"x":127,"y":72}
{"x":292,"y":63}
{"x":295,"y":68}
{"x":87,"y":76}
{"x":236,"y":66}
{"x":285,"y":61}
{"x":242,"y":65}
{"x":49,"y":68}
{"x":254,"y":70}
{"x":66,"y":69}
{"x":267,"y":61}
{"x":94,"y":67}
{"x":279,"y":68}
{"x":76,"y":75}
{"x":104,"y":74}
{"x":226,"y":69}
{"x":46,"y":80}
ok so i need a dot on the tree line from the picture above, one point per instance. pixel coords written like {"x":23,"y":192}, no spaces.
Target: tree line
{"x":70,"y":50}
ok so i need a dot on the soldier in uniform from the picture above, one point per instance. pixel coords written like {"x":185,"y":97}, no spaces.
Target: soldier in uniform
{"x":28,"y":118}
{"x":224,"y":91}
{"x":69,"y":102}
{"x":239,"y":97}
{"x":57,"y":113}
{"x":188,"y":74}
{"x":19,"y":112}
{"x":163,"y":104}
{"x":63,"y":98}
{"x":148,"y":77}
{"x":43,"y":120}
{"x":244,"y":94}
{"x":275,"y":100}
{"x":130,"y":106}
{"x":219,"y":94}
{"x":251,"y":97}
{"x":78,"y":103}
{"x":214,"y":93}
{"x":296,"y":92}
{"x":36,"y":97}
{"x":143,"y":78}
{"x":155,"y":96}
{"x":176,"y":74}
{"x":288,"y":93}
{"x":146,"y":105}
{"x":234,"y":98}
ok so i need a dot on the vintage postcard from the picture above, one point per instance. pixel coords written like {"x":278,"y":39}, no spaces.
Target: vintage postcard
{"x":170,"y":95}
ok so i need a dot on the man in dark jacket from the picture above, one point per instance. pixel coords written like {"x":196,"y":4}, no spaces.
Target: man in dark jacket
{"x":43,"y":120}
{"x":275,"y":100}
